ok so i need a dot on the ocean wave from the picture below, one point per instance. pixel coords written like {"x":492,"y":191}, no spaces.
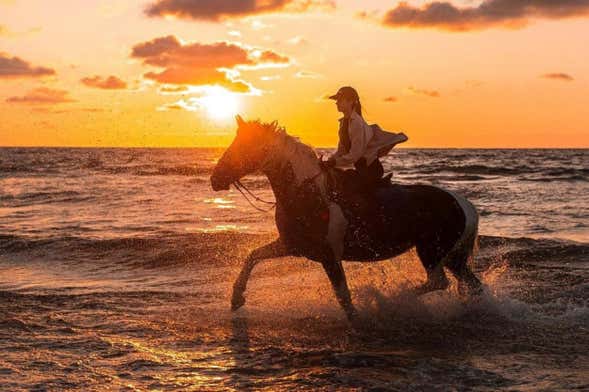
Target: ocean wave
{"x":480,"y":171}
{"x":541,"y":165}
{"x":483,"y":169}
{"x":166,"y":250}
{"x":438,"y":176}
{"x":573,"y":178}
{"x":36,"y":198}
{"x":181,"y":170}
{"x":9,"y":170}
{"x":73,"y":161}
{"x":541,"y":251}
{"x":155,"y":251}
{"x":567,"y":172}
{"x":14,"y":324}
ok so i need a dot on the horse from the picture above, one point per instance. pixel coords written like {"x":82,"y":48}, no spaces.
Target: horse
{"x":440,"y":224}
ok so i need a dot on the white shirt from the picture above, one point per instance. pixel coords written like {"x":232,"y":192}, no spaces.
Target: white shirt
{"x":368,"y":141}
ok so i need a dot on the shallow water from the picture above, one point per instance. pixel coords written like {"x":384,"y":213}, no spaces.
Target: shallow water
{"x":116,"y":268}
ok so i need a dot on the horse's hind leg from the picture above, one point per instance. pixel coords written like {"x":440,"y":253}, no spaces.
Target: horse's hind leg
{"x":468,"y":283}
{"x":431,"y":253}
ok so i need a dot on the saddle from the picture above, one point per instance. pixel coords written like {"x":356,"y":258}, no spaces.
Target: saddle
{"x":356,"y":198}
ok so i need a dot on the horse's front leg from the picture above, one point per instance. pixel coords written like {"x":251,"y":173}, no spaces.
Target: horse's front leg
{"x":274,"y":249}
{"x":337,"y":277}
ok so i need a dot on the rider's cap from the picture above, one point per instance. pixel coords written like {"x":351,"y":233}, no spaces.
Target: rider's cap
{"x":346,"y":92}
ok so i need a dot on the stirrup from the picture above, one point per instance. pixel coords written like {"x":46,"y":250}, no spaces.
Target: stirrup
{"x":384,"y":181}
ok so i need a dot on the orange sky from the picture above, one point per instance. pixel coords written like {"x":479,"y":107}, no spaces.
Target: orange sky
{"x":173,"y":73}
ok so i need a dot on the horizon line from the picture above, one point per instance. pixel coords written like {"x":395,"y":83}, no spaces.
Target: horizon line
{"x":334,"y":146}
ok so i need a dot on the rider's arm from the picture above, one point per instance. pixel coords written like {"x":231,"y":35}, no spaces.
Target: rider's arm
{"x":341,"y":149}
{"x":339,"y":152}
{"x":359,"y":140}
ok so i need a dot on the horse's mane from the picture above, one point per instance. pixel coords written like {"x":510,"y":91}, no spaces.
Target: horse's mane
{"x":293,"y":142}
{"x":301,"y":157}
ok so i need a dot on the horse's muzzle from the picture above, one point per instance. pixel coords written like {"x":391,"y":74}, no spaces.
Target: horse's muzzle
{"x":220,"y":183}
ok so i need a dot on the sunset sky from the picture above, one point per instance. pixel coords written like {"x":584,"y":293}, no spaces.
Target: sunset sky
{"x":493,"y":73}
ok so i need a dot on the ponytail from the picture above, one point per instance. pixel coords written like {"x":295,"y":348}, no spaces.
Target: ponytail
{"x":358,"y":107}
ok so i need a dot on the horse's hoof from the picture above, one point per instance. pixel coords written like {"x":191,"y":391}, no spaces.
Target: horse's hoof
{"x":237,"y":301}
{"x":430,"y":286}
{"x":355,"y":322}
{"x":351,"y":314}
{"x":470,"y":290}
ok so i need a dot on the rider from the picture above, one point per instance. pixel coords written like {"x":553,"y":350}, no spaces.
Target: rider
{"x":354,"y":141}
{"x":359,"y":144}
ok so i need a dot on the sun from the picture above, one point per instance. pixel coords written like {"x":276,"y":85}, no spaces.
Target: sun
{"x":220,"y":104}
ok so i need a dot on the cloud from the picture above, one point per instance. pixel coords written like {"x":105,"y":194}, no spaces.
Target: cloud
{"x":474,"y":83}
{"x":391,"y":99}
{"x":444,"y":15}
{"x":215,"y":10}
{"x":15,"y":67}
{"x":368,"y":15}
{"x":307,"y":75}
{"x":188,"y":105}
{"x":109,"y":83}
{"x":297,"y":40}
{"x":268,"y":56}
{"x":237,"y":86}
{"x":203,"y":64}
{"x":558,"y":76}
{"x":6,"y":32}
{"x":42,"y":95}
{"x":267,"y":78}
{"x":258,"y":25}
{"x":429,"y":93}
{"x":156,"y":47}
{"x":44,"y":109}
{"x":173,"y":90}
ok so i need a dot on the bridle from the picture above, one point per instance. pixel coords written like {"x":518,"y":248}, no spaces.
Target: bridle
{"x":241,"y":188}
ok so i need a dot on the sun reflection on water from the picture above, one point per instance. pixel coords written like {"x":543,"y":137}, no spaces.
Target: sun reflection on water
{"x":220,"y":202}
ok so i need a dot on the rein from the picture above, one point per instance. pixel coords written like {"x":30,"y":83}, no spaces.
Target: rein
{"x":240,"y":187}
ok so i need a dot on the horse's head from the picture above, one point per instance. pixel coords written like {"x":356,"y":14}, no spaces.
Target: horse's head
{"x":248,"y":152}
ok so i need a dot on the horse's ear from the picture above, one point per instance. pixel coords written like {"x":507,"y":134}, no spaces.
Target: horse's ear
{"x":239,"y":120}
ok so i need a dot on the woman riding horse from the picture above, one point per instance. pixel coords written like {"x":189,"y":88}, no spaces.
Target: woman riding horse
{"x":354,"y":141}
{"x":359,"y":145}
{"x":441,"y":225}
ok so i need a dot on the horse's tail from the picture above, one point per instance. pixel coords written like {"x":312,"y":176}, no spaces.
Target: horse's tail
{"x":463,"y":250}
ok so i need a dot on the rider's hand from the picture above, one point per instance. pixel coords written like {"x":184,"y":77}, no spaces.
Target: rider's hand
{"x":327,"y":164}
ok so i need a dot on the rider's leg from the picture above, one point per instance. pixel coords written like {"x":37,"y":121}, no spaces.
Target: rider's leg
{"x":352,"y":191}
{"x":376,"y":170}
{"x":332,"y":265}
{"x":274,"y":249}
{"x":360,"y":194}
{"x":372,"y":176}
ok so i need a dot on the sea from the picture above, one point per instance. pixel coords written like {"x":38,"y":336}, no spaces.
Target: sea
{"x":116,"y":269}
